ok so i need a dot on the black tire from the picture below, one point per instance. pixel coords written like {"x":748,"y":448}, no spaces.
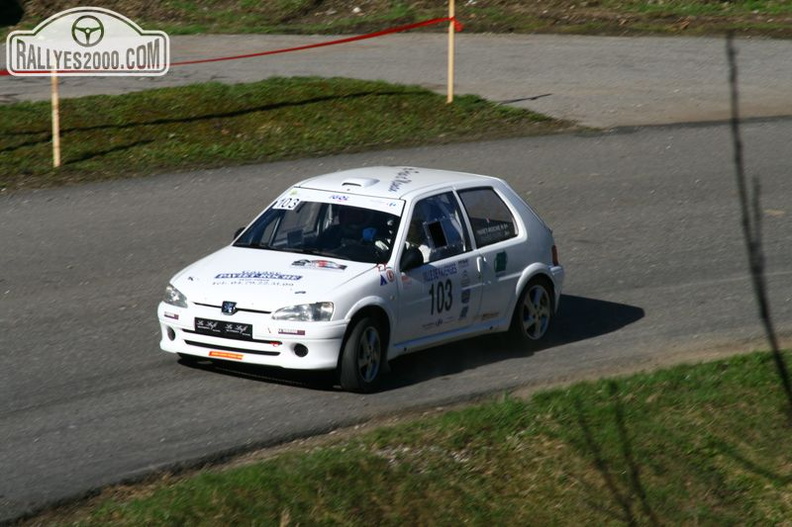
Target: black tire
{"x":362,"y":356}
{"x":533,"y":312}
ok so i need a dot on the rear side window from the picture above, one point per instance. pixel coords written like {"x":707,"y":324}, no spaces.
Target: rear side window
{"x":491,"y":219}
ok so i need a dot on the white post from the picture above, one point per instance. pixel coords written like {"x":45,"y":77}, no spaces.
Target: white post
{"x":56,"y":150}
{"x":451,"y":32}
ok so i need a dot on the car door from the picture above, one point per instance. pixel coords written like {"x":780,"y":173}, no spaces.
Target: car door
{"x":441,"y":295}
{"x":500,"y":257}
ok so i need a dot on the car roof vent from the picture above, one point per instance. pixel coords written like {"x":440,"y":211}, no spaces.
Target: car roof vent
{"x":359,"y":182}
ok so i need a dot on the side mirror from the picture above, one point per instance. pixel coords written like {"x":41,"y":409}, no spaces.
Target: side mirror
{"x":238,"y":232}
{"x":410,"y":259}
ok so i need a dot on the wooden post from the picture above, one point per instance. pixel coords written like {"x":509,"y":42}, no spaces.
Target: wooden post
{"x":451,"y":32}
{"x":56,"y":150}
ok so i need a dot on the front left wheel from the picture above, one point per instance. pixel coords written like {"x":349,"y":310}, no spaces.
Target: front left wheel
{"x":362,"y":356}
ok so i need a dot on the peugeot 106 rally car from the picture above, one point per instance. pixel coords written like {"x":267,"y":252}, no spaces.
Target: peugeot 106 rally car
{"x":349,"y":270}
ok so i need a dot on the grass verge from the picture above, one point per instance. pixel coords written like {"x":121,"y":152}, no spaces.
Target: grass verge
{"x":612,"y":17}
{"x":691,"y":445}
{"x":208,"y":125}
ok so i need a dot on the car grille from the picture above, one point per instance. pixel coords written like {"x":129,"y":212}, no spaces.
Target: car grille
{"x":238,"y":309}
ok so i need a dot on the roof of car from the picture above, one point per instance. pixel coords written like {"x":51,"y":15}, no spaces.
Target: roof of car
{"x":391,"y":182}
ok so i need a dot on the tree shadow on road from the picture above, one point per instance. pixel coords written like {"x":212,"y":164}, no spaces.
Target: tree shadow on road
{"x":580,"y":318}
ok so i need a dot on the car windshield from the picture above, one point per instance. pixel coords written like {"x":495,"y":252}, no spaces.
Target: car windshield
{"x":326,"y":229}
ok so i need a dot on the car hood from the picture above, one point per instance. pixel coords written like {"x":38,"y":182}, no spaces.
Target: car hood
{"x":265,"y":280}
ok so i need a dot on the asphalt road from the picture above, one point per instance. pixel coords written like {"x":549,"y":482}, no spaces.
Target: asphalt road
{"x":597,"y":81}
{"x":646,"y":220}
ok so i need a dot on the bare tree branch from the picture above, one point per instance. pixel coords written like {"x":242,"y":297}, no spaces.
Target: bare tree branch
{"x":750,"y":206}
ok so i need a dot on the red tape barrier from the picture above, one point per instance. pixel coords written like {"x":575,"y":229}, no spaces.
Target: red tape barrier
{"x":399,"y":29}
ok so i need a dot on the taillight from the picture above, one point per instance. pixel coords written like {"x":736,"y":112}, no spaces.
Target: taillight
{"x":555,"y":255}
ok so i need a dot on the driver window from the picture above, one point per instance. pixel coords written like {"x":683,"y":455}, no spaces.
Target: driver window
{"x":436,"y":228}
{"x":297,"y":226}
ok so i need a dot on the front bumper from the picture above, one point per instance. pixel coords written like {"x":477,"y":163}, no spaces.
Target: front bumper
{"x":291,"y":345}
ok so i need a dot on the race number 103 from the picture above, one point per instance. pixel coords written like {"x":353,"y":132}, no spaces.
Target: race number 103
{"x":442,"y":296}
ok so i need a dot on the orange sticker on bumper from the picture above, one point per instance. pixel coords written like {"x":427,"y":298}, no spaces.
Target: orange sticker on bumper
{"x":226,"y":355}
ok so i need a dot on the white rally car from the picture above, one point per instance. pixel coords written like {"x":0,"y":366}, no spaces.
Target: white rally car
{"x":348,"y":270}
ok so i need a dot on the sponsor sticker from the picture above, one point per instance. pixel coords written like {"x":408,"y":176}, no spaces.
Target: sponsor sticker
{"x":226,"y":355}
{"x":387,"y":275}
{"x":258,"y":275}
{"x":269,"y":278}
{"x":436,"y":273}
{"x":298,"y":332}
{"x":319,"y":264}
{"x":489,"y":316}
{"x":403,"y":177}
{"x":500,"y":261}
{"x":466,"y":296}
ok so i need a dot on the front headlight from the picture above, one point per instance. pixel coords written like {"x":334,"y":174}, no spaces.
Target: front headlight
{"x":316,"y":312}
{"x":174,"y":297}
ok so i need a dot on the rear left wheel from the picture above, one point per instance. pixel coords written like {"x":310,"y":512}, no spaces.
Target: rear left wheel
{"x":533,"y":313}
{"x":361,"y":357}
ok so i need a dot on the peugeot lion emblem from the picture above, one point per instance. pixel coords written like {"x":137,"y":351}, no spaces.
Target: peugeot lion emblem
{"x":229,"y":308}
